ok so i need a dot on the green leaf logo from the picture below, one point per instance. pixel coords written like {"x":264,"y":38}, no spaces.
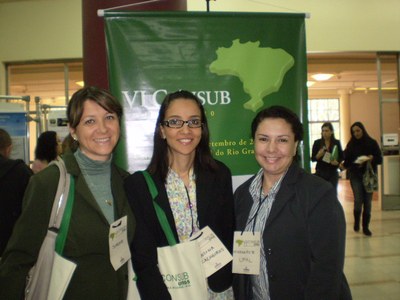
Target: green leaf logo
{"x":239,"y":242}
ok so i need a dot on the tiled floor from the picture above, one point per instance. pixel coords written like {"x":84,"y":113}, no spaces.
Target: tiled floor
{"x":372,"y":264}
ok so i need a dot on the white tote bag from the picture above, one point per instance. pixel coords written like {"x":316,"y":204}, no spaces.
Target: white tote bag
{"x":61,"y":275}
{"x":183,"y":273}
{"x":133,"y":293}
{"x":48,"y":279}
{"x":180,"y":264}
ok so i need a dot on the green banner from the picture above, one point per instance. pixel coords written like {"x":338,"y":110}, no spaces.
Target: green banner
{"x":236,"y":63}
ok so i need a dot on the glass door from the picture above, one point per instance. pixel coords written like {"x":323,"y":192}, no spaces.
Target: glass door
{"x":390,"y":128}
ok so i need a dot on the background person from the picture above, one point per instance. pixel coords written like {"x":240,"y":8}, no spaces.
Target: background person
{"x":48,"y":148}
{"x":298,"y":216}
{"x":361,"y":145}
{"x":327,"y":152}
{"x":68,"y":144}
{"x":193,"y":189}
{"x":94,"y":117}
{"x":14,"y":177}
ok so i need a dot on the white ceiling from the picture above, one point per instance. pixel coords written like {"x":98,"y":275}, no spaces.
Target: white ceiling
{"x":352,"y":71}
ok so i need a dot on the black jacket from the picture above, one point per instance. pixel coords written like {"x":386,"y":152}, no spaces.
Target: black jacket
{"x":214,"y":207}
{"x":354,"y":149}
{"x":14,"y":178}
{"x":324,"y":169}
{"x":304,"y":240}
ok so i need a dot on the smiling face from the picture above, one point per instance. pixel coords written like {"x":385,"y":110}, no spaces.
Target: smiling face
{"x":275,"y":147}
{"x":97,"y":132}
{"x":182,"y":142}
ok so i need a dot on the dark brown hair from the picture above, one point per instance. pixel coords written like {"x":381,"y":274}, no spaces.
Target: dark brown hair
{"x":100,"y":96}
{"x":159,"y":161}
{"x":279,"y":112}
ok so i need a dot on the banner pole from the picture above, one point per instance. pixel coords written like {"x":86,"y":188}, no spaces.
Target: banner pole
{"x":100,"y":12}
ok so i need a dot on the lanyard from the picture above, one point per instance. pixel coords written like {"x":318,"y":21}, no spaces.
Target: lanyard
{"x":254,"y":217}
{"x":191,"y":211}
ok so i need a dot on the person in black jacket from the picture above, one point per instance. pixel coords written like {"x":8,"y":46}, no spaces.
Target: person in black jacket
{"x":194,"y":190}
{"x":14,"y":177}
{"x":327,"y":152}
{"x":360,"y":150}
{"x":297,"y":217}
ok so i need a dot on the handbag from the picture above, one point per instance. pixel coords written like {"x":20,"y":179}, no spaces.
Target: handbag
{"x":50,"y":276}
{"x":370,"y":179}
{"x":179,"y":263}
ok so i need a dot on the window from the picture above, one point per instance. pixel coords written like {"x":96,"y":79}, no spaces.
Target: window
{"x":53,"y":82}
{"x":319,"y":112}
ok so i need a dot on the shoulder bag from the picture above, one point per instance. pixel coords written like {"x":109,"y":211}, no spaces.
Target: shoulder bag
{"x":179,"y":263}
{"x":51,"y":274}
{"x":370,"y":179}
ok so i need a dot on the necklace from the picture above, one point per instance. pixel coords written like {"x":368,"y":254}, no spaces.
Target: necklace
{"x":92,"y":187}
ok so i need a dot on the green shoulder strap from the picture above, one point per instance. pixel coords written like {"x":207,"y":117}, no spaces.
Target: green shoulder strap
{"x":162,"y":217}
{"x":63,"y":231}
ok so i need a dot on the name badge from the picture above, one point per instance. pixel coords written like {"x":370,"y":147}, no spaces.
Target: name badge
{"x":246,"y":253}
{"x":327,"y":157}
{"x":118,"y":243}
{"x":214,"y":254}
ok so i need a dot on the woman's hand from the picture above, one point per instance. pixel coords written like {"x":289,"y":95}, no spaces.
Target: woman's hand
{"x":334,"y":163}
{"x":321,"y":153}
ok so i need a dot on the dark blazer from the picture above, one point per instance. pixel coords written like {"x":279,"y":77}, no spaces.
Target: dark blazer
{"x":87,"y":239}
{"x":304,"y":240}
{"x":214,"y":208}
{"x":354,"y":149}
{"x":324,"y":169}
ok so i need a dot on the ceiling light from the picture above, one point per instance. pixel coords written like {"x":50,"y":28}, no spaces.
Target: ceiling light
{"x":310,"y":83}
{"x":322,"y":76}
{"x":80,"y":83}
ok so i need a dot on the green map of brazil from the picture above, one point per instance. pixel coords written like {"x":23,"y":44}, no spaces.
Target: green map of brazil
{"x":261,"y":70}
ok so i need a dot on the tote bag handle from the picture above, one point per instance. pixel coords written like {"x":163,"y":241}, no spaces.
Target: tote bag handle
{"x":162,"y":217}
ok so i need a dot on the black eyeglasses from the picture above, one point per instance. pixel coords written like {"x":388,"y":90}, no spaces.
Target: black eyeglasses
{"x":178,"y":123}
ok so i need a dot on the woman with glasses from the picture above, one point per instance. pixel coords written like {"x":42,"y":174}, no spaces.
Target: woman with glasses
{"x":194,"y":190}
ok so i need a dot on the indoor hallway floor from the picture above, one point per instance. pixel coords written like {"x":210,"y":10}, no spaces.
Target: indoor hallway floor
{"x":372,"y":264}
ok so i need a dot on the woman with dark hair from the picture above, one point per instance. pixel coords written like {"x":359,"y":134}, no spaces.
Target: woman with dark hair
{"x":48,"y":148}
{"x":294,"y":216}
{"x":360,"y":150}
{"x":94,"y":117}
{"x":194,"y":190}
{"x":327,"y":152}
